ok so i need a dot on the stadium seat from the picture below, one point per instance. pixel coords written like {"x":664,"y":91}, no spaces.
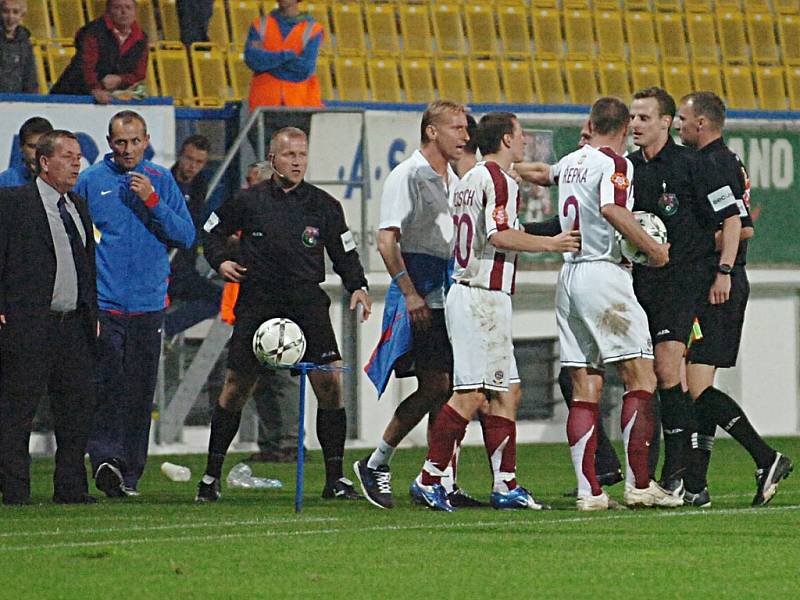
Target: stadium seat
{"x":544,"y":3}
{"x":789,"y":33}
{"x":351,"y":79}
{"x":68,"y":17}
{"x":41,"y":74}
{"x":671,"y":38}
{"x":786,"y":7}
{"x":517,"y":81}
{"x":415,"y":29}
{"x":702,"y":38}
{"x":479,"y":19}
{"x":320,"y":13}
{"x":641,"y":37}
{"x":581,"y":82}
{"x":547,"y":40}
{"x":59,"y":55}
{"x":677,"y":80}
{"x":451,"y":80}
{"x":384,"y":80}
{"x":447,"y":29}
{"x":417,"y":80}
{"x":754,"y":5}
{"x":645,"y":76}
{"x":515,"y":35}
{"x":241,"y":13}
{"x":150,"y":79}
{"x":708,"y":77}
{"x":173,"y":69}
{"x":692,"y":6}
{"x":614,"y":79}
{"x":37,"y":19}
{"x":729,"y":4}
{"x":732,"y":39}
{"x":629,"y":5}
{"x":668,"y":5}
{"x":576,"y":4}
{"x":610,"y":35}
{"x":793,"y":87}
{"x":484,"y":82}
{"x":324,"y":77}
{"x":382,"y":30}
{"x":770,"y":89}
{"x":169,"y":20}
{"x":761,"y":32}
{"x":208,"y":68}
{"x":348,"y":23}
{"x":240,"y":73}
{"x":218,"y":26}
{"x":549,"y":82}
{"x":578,"y":34}
{"x":739,"y":83}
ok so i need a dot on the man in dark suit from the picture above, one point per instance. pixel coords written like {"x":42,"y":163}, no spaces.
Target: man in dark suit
{"x":48,"y":320}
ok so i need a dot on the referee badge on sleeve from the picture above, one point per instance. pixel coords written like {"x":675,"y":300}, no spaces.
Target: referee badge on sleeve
{"x":213,"y":221}
{"x":348,"y":241}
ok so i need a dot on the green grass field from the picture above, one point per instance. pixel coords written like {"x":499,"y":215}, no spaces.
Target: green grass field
{"x":252,"y":545}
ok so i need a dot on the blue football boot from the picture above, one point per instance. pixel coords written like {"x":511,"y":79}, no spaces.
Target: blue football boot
{"x":432,"y":496}
{"x":519,"y":497}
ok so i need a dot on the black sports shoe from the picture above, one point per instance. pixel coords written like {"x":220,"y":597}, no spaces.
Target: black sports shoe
{"x":375,"y":483}
{"x":342,"y":489}
{"x":767,"y":479}
{"x":674,"y":486}
{"x":460,"y":499}
{"x":701,"y":499}
{"x":108,"y":479}
{"x":608,"y":479}
{"x":208,"y":492}
{"x":79,"y":499}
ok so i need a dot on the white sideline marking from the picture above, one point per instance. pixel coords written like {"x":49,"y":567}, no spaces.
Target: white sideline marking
{"x":433,"y":526}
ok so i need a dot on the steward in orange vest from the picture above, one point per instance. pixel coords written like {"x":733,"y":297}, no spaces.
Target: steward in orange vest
{"x":282,"y":52}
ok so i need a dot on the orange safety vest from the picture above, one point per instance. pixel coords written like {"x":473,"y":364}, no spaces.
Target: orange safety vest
{"x":268,"y":90}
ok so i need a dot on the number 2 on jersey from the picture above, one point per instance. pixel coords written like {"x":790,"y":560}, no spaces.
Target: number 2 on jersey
{"x":573,"y":202}
{"x":462,"y":254}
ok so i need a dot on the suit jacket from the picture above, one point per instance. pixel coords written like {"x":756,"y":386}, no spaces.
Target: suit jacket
{"x":28,"y":266}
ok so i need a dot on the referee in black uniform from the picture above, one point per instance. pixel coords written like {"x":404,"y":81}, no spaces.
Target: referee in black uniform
{"x":701,"y":119}
{"x":286,"y":226}
{"x":667,"y":182}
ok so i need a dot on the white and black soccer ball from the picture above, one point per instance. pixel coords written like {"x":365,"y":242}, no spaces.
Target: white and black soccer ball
{"x":653,"y":226}
{"x":279,"y":342}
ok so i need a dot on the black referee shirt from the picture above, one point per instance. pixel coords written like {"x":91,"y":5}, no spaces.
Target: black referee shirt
{"x":284,"y":236}
{"x":723,"y":173}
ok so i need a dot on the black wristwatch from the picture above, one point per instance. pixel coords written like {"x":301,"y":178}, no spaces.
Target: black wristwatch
{"x":724,"y":269}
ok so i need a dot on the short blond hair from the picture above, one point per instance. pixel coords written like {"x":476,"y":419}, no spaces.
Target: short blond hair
{"x":435,"y":112}
{"x":288,"y":132}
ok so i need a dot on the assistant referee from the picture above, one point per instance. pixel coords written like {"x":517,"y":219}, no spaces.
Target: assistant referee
{"x":286,"y":226}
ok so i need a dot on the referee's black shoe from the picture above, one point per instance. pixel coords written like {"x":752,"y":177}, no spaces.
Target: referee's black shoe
{"x":461,"y":499}
{"x":108,"y":479}
{"x":342,"y":489}
{"x":208,"y":492}
{"x":701,"y":499}
{"x":768,"y":478}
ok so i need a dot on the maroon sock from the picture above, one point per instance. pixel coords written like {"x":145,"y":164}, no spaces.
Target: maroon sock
{"x":448,"y":431}
{"x":637,"y":429}
{"x":500,"y":439}
{"x":582,"y":437}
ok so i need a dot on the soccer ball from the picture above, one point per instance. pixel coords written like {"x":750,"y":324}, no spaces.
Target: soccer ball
{"x":654,"y":227}
{"x":279,"y":343}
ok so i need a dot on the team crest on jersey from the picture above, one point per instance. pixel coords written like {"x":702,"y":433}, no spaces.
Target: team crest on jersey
{"x":620,"y":181}
{"x":500,"y":215}
{"x":668,"y":204}
{"x":310,"y":236}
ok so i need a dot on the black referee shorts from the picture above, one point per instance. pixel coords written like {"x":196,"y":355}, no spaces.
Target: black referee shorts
{"x":313,"y":318}
{"x":722,"y":325}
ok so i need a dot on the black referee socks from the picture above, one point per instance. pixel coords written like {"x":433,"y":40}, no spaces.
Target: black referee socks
{"x":676,"y":419}
{"x":331,"y":433}
{"x":224,"y":425}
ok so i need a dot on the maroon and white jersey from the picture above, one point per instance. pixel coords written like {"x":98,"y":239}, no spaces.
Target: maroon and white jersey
{"x":485,"y":201}
{"x":588,"y":179}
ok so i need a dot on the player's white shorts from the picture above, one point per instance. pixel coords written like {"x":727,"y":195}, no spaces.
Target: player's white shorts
{"x":599,"y":319}
{"x":479,"y":326}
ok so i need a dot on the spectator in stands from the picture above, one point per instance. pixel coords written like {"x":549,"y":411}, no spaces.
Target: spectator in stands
{"x":199,"y":296}
{"x":17,"y":68}
{"x":193,"y":17}
{"x":111,"y":55}
{"x":25,"y":171}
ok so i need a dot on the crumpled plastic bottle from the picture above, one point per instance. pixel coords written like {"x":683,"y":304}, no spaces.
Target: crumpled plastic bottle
{"x":175,"y":472}
{"x":241,"y":476}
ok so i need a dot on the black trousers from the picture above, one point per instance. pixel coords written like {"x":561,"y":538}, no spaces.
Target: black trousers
{"x":48,"y":355}
{"x":193,"y":18}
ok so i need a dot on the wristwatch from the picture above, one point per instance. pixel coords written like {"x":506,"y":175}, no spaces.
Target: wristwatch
{"x":724,"y":269}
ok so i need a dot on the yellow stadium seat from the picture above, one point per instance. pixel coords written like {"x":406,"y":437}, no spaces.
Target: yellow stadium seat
{"x":671,"y":38}
{"x":68,"y":17}
{"x":770,"y":89}
{"x":320,"y":13}
{"x":547,"y":40}
{"x":641,"y":37}
{"x":789,"y":33}
{"x":578,"y":34}
{"x":240,"y":73}
{"x":668,"y":5}
{"x":739,"y":83}
{"x":324,"y":76}
{"x":447,"y":29}
{"x":451,"y":80}
{"x":484,"y":82}
{"x":677,"y":80}
{"x":218,"y":26}
{"x":417,"y":80}
{"x":382,"y":30}
{"x":786,"y":7}
{"x":544,"y":3}
{"x":755,"y":5}
{"x":37,"y":20}
{"x":348,"y":23}
{"x":605,"y":4}
{"x":59,"y":55}
{"x":512,"y":20}
{"x":692,"y":6}
{"x":581,"y":82}
{"x":351,"y":79}
{"x":576,"y":4}
{"x":174,"y":73}
{"x":636,"y":5}
{"x":169,"y":20}
{"x":793,"y":87}
{"x":384,"y":81}
{"x":645,"y":76}
{"x":732,"y":39}
{"x":41,"y":75}
{"x":150,"y":78}
{"x":208,"y":68}
{"x":415,"y":29}
{"x":241,"y":14}
{"x":479,"y":18}
{"x":549,"y":82}
{"x":761,"y":33}
{"x":614,"y":79}
{"x":708,"y":78}
{"x":517,"y":81}
{"x":729,"y":4}
{"x":702,"y":40}
{"x":610,"y":35}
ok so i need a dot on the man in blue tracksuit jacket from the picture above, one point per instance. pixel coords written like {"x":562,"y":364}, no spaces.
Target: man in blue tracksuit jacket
{"x":138,"y":213}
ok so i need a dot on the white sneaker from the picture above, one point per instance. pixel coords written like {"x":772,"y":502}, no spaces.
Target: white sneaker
{"x":599,"y":502}
{"x":652,"y":495}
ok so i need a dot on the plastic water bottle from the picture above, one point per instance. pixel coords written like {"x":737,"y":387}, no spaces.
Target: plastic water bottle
{"x":241,"y":476}
{"x":176,"y":472}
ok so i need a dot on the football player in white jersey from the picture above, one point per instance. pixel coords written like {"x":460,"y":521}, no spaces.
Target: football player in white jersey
{"x":599,"y":319}
{"x":488,"y":237}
